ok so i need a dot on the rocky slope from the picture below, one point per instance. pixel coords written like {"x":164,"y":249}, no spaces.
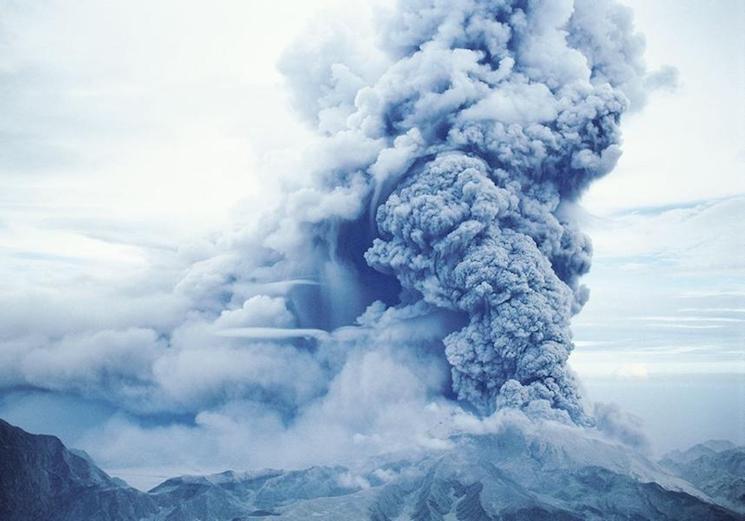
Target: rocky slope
{"x":42,"y":480}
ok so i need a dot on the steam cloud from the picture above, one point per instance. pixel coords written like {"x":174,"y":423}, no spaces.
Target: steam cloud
{"x":428,"y":255}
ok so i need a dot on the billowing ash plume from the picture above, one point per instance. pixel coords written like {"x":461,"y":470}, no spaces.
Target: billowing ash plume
{"x":425,"y":254}
{"x":461,"y":157}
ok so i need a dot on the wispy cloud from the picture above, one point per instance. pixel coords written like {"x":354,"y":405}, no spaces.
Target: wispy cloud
{"x":704,"y":236}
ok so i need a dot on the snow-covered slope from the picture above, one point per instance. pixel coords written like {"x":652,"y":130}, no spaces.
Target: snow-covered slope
{"x":716,"y":467}
{"x":519,"y":471}
{"x":551,"y":473}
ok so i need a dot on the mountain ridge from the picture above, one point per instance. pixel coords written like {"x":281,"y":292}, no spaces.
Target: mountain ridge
{"x":514,"y":473}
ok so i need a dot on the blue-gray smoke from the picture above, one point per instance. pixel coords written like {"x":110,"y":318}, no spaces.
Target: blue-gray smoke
{"x":459,"y":160}
{"x":426,"y":254}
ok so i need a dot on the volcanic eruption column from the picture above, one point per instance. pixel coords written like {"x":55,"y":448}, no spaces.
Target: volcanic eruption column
{"x":474,"y":140}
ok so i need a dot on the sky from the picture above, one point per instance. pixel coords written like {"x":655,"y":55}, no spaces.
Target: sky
{"x":135,"y":133}
{"x":665,"y":325}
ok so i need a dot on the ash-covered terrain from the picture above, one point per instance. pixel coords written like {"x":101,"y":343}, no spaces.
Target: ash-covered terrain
{"x":523,"y":470}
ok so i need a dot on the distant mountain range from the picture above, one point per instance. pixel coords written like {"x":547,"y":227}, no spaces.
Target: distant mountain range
{"x":714,"y":467}
{"x":515,"y":474}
